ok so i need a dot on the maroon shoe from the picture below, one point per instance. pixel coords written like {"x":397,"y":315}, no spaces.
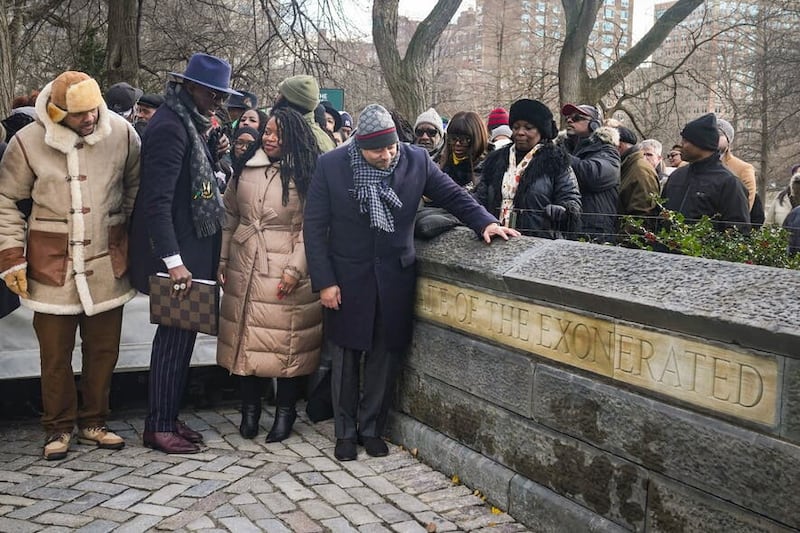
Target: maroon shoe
{"x":168,"y":442}
{"x":188,"y":433}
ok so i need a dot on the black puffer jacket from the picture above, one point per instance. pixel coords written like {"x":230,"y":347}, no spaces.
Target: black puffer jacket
{"x":595,"y":161}
{"x":707,"y":187}
{"x":547,"y":180}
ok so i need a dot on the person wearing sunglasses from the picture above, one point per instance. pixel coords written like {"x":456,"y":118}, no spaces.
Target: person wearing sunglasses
{"x":177,"y":227}
{"x":595,"y":161}
{"x":465,"y":146}
{"x":675,"y":157}
{"x":429,"y":133}
{"x":528,"y":184}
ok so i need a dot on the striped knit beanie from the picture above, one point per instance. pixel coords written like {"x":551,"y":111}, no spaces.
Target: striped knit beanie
{"x":497,"y":117}
{"x":376,"y":128}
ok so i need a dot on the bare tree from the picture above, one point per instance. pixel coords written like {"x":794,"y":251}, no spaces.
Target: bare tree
{"x":122,"y":48}
{"x":20,"y":21}
{"x":404,"y":76}
{"x":576,"y":85}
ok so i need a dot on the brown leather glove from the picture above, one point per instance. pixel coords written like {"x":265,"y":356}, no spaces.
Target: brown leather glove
{"x":17,"y":282}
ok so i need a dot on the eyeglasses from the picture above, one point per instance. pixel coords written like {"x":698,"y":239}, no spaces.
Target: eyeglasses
{"x":672,"y":155}
{"x":577,"y":118}
{"x":215,"y":96}
{"x":430,"y":132}
{"x":466,"y":140}
{"x":243,"y":144}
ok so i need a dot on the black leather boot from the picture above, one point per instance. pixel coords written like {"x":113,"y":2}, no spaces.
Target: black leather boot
{"x":282,"y":427}
{"x":251,"y":414}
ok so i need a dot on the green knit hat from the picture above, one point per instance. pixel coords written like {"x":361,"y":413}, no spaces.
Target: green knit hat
{"x":301,"y":90}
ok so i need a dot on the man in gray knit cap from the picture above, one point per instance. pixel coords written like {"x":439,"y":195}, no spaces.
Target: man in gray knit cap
{"x":741,"y":169}
{"x":429,"y":133}
{"x":359,"y":239}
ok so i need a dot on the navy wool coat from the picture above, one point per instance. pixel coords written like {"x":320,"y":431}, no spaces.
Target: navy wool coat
{"x":374,"y":269}
{"x":161,"y":224}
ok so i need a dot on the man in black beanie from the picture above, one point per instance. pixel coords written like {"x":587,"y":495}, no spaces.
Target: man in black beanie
{"x":705,"y":186}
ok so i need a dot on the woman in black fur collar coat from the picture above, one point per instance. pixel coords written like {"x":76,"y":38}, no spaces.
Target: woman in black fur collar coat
{"x":528,"y":184}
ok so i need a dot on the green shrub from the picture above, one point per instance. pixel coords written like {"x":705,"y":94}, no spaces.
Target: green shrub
{"x":766,"y":246}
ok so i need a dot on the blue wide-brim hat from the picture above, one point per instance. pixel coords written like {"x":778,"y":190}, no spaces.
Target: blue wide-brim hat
{"x":209,"y":71}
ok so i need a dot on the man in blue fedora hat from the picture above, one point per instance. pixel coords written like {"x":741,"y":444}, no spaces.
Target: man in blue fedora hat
{"x":176,"y":227}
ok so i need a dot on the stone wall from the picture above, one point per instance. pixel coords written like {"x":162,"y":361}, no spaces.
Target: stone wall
{"x":593,"y":388}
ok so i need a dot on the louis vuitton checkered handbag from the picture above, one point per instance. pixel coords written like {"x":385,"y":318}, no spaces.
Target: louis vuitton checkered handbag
{"x":198,"y":311}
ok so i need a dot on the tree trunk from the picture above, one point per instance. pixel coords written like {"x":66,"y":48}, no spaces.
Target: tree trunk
{"x":9,"y":24}
{"x":575,"y":84}
{"x":764,"y":110}
{"x":404,"y":77}
{"x":122,"y":49}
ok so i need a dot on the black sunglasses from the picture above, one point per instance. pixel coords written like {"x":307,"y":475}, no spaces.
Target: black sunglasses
{"x":459,"y":139}
{"x":215,"y":96}
{"x":430,"y":132}
{"x":577,"y":118}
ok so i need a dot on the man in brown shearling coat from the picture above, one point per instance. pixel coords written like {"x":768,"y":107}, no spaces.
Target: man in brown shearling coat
{"x":80,"y":164}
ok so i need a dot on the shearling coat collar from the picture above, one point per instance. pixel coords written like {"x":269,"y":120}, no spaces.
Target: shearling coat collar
{"x":62,"y":138}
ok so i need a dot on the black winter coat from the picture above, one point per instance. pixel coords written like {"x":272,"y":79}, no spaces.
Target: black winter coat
{"x":161,"y":224}
{"x":374,"y":270}
{"x":707,"y":187}
{"x":547,"y":180}
{"x":596,"y":163}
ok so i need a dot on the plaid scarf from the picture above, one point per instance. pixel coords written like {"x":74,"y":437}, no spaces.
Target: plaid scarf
{"x":372,"y":190}
{"x":207,"y":211}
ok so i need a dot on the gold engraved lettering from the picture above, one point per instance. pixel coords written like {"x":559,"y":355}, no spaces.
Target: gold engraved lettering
{"x":671,"y":370}
{"x":582,"y":341}
{"x":730,"y":381}
{"x":754,"y":386}
{"x":523,"y":324}
{"x":563,"y":328}
{"x":544,"y":322}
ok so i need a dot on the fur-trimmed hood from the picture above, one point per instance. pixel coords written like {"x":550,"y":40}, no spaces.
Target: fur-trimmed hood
{"x":62,"y":138}
{"x":607,"y":135}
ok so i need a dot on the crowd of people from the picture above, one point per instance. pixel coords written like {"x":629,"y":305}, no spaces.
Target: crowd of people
{"x":306,"y":219}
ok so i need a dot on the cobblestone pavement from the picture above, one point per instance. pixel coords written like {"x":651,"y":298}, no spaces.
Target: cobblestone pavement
{"x":233,"y":485}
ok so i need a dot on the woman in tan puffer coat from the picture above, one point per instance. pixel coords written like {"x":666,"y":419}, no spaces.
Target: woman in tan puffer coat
{"x":270,"y":321}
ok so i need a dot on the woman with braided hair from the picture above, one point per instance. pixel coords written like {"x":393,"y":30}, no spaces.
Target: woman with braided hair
{"x":270,"y":321}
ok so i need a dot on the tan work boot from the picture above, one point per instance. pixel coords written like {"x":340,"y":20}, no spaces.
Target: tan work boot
{"x":100,"y":436}
{"x":56,"y":446}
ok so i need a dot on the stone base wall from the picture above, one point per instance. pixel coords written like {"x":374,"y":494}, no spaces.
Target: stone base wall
{"x":566,"y":446}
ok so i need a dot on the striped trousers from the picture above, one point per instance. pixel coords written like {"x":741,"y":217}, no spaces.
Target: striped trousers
{"x":169,"y":371}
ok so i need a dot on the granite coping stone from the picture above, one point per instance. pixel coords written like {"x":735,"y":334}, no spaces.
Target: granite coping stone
{"x":748,"y":305}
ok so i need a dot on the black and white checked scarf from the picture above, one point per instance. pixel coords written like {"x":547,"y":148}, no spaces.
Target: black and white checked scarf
{"x":372,"y":190}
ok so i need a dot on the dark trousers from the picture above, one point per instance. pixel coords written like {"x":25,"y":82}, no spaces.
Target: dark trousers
{"x":100,"y":335}
{"x":365,"y":416}
{"x":169,"y":370}
{"x":289,"y":390}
